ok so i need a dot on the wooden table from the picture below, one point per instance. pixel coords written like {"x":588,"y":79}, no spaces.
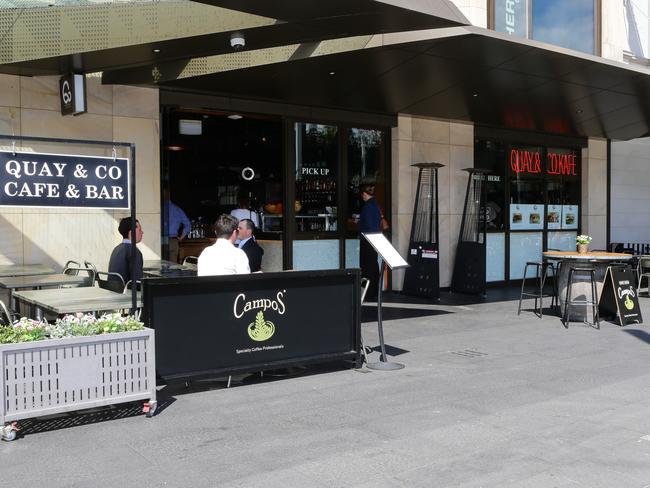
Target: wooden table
{"x":598,"y":261}
{"x":72,"y":300}
{"x":39,"y":281}
{"x":25,"y":270}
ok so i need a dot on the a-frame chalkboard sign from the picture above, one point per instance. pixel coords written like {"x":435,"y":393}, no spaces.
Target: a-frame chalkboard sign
{"x":619,"y":296}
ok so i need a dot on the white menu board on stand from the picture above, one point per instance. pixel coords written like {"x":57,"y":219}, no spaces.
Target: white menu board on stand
{"x":570,"y":216}
{"x":526,"y":216}
{"x":554,"y":216}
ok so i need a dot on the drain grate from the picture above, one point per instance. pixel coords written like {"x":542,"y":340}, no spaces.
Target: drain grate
{"x":469,"y":353}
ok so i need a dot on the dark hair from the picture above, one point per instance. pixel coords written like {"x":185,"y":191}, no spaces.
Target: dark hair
{"x":367,"y":188}
{"x":250,"y":225}
{"x":125,"y":227}
{"x":225,"y":226}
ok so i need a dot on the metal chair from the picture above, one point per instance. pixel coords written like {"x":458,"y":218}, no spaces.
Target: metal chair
{"x":7,"y":317}
{"x":193,"y":260}
{"x":365,"y":284}
{"x":570,"y":302}
{"x":76,"y":271}
{"x":643,"y":271}
{"x":110,"y":281}
{"x":541,"y":270}
{"x":127,"y":291}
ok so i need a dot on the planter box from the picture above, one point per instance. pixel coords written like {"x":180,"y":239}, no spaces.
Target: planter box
{"x":61,"y":375}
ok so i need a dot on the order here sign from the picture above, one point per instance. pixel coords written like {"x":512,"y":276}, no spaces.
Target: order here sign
{"x":61,"y":180}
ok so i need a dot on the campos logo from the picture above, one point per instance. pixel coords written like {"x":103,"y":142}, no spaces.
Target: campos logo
{"x":261,"y":329}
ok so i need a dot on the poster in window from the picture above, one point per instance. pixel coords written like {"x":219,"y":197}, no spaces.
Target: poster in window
{"x":554,"y":216}
{"x":570,"y":216}
{"x":526,"y":216}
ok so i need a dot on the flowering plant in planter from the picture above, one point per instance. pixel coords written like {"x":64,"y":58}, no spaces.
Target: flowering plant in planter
{"x":73,"y":325}
{"x":583,"y":239}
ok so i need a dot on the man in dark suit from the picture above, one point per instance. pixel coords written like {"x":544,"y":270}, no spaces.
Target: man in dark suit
{"x":120,"y":261}
{"x":248,"y":244}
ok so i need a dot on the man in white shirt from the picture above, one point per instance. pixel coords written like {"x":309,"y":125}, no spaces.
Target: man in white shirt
{"x":222,"y":257}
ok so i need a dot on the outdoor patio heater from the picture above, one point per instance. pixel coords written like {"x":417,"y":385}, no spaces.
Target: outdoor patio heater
{"x":423,"y":274}
{"x":469,"y":266}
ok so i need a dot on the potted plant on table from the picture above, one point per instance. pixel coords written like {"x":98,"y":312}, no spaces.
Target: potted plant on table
{"x":583,"y":243}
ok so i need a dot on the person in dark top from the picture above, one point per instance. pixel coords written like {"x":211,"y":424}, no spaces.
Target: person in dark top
{"x":369,"y":222}
{"x":249,"y":245}
{"x":120,"y":261}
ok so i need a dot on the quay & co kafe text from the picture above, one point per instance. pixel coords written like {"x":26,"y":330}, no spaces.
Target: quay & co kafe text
{"x":58,"y":180}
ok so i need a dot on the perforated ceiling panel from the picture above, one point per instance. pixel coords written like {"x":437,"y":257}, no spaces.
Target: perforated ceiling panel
{"x":41,"y":32}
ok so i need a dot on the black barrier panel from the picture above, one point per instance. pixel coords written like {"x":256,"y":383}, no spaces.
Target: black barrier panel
{"x":55,"y":180}
{"x":229,"y":324}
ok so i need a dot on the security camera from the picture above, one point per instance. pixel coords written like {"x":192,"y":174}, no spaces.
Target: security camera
{"x":237,"y":41}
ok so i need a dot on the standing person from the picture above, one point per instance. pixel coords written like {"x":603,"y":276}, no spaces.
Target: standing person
{"x":243,"y":211}
{"x":120,"y":261}
{"x":222,"y":257}
{"x":249,"y":245}
{"x":369,"y":221}
{"x":177,"y":226}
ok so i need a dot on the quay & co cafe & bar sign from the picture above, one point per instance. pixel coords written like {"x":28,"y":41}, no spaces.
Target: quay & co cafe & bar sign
{"x":530,"y":162}
{"x":59,"y":180}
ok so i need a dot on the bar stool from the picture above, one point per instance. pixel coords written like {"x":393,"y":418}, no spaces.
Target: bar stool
{"x":541,"y":270}
{"x":569,"y":302}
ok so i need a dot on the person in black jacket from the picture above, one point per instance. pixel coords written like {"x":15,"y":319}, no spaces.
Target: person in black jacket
{"x":247,"y":243}
{"x":120,"y":261}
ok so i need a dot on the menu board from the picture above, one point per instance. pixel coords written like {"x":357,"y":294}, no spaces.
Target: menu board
{"x":570,"y":216}
{"x":554,"y":216}
{"x":526,"y":216}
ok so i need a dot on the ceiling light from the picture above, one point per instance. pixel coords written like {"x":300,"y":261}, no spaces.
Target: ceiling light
{"x":174,"y":148}
{"x":579,"y":111}
{"x":332,"y":73}
{"x":475,"y":95}
{"x":235,"y":117}
{"x":156,"y":50}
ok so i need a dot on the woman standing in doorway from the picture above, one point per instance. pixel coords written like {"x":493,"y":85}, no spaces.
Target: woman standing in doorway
{"x":369,"y":221}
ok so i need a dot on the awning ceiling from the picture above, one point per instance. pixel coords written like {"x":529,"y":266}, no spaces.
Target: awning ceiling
{"x":463,"y":73}
{"x":297,"y":22}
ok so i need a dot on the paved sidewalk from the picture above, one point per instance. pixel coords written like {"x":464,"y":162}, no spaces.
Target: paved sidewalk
{"x":487,"y":399}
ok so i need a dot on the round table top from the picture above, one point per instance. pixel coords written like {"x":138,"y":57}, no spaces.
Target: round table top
{"x":591,"y":256}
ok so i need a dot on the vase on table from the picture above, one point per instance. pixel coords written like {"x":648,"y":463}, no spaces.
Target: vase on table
{"x":583,"y":248}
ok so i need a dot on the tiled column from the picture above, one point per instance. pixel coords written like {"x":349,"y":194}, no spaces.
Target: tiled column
{"x":594,"y":192}
{"x":428,"y":140}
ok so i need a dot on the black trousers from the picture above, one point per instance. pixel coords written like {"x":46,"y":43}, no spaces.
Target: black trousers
{"x":369,"y":267}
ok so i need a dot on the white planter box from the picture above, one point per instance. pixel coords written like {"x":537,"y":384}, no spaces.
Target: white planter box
{"x":61,"y":375}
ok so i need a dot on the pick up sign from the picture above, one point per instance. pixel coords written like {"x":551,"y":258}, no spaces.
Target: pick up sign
{"x":61,"y":180}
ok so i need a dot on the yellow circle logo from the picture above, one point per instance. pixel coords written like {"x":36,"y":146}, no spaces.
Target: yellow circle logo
{"x":261,"y":330}
{"x":629,"y":304}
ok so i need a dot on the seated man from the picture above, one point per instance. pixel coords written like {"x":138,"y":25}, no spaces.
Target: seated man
{"x":222,"y":257}
{"x":249,"y":245}
{"x":120,"y":261}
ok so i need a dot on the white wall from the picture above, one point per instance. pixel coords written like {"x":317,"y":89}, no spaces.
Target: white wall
{"x":630,"y":191}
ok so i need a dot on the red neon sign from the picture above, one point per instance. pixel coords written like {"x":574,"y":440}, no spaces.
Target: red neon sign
{"x":523,"y":161}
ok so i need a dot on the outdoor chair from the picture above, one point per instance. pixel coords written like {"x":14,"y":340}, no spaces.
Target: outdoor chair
{"x":365,"y":284}
{"x":110,"y":281}
{"x":643,"y":271}
{"x":127,"y":291}
{"x":592,"y":301}
{"x":77,"y":271}
{"x":191,"y":260}
{"x":71,"y":264}
{"x":541,"y":271}
{"x":6,"y":316}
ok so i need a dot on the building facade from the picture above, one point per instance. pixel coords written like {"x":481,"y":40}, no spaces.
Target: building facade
{"x":29,"y":106}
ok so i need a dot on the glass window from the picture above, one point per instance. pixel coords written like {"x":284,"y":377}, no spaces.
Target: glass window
{"x":566,"y":24}
{"x":511,"y":17}
{"x":569,"y":24}
{"x":365,"y":165}
{"x":317,"y":164}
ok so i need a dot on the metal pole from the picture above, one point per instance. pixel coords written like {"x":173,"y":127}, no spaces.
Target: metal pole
{"x":383,"y":363}
{"x":134,"y":288}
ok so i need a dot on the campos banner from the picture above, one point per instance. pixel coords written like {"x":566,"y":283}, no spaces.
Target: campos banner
{"x":61,"y":180}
